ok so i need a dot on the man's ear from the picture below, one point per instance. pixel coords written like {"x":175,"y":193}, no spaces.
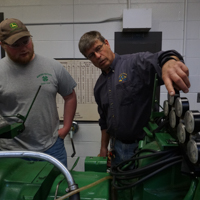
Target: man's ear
{"x":107,"y":43}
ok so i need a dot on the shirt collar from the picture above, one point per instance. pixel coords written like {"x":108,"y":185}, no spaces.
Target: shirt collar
{"x":112,"y":66}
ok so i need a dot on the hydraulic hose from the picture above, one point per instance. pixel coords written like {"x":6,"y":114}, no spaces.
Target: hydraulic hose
{"x":146,"y":169}
{"x":165,"y":159}
{"x":143,"y":171}
{"x":84,"y":188}
{"x":146,"y":177}
{"x":162,"y":124}
{"x":132,"y":159}
{"x":157,"y":161}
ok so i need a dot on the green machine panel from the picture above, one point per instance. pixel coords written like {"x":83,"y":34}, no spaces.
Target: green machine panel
{"x":96,"y":164}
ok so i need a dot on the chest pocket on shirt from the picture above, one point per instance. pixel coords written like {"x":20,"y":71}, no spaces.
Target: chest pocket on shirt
{"x":127,"y":92}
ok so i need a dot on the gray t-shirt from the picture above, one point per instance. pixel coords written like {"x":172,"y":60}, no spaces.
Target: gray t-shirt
{"x":18,"y":86}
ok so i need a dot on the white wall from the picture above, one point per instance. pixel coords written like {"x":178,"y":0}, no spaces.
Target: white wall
{"x":61,"y":41}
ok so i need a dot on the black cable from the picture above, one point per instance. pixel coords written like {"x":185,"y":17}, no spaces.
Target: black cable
{"x":159,"y":169}
{"x":119,"y":171}
{"x":143,"y":171}
{"x":170,"y":151}
{"x":120,"y":176}
{"x":137,"y":158}
{"x":148,"y":167}
{"x":154,"y":151}
{"x":162,"y":124}
{"x":146,"y":177}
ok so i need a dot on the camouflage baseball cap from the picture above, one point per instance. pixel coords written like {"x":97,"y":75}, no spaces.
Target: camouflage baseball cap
{"x":12,"y":30}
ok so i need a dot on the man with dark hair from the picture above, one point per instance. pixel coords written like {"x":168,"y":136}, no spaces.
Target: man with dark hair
{"x":124,"y":90}
{"x":21,"y":73}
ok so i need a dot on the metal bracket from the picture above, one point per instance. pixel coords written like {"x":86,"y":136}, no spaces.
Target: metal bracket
{"x":73,"y":130}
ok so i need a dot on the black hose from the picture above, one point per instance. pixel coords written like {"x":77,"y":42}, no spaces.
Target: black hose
{"x":146,"y":177}
{"x":155,"y":151}
{"x":157,"y":161}
{"x":162,"y":124}
{"x":121,"y":175}
{"x":142,"y":172}
{"x":148,"y":167}
{"x":137,"y":158}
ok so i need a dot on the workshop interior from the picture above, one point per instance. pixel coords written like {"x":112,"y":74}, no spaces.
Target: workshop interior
{"x":167,"y":161}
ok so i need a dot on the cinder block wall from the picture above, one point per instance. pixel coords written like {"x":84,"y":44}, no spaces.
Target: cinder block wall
{"x":60,"y":40}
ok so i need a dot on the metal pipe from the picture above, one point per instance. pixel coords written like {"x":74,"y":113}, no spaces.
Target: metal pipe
{"x":16,"y":154}
{"x":67,"y":23}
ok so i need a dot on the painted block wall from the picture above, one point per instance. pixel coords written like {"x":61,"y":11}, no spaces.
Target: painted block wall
{"x":69,"y":20}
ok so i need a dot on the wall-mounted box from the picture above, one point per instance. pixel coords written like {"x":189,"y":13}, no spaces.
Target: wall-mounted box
{"x":137,"y":20}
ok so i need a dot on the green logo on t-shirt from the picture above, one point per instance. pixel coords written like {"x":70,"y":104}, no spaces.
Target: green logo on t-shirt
{"x":45,"y":78}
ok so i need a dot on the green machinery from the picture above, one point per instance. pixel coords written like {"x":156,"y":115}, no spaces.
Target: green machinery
{"x":165,"y":166}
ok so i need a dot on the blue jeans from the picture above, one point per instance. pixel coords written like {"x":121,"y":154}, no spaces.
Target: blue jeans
{"x":58,"y":151}
{"x":122,"y":151}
